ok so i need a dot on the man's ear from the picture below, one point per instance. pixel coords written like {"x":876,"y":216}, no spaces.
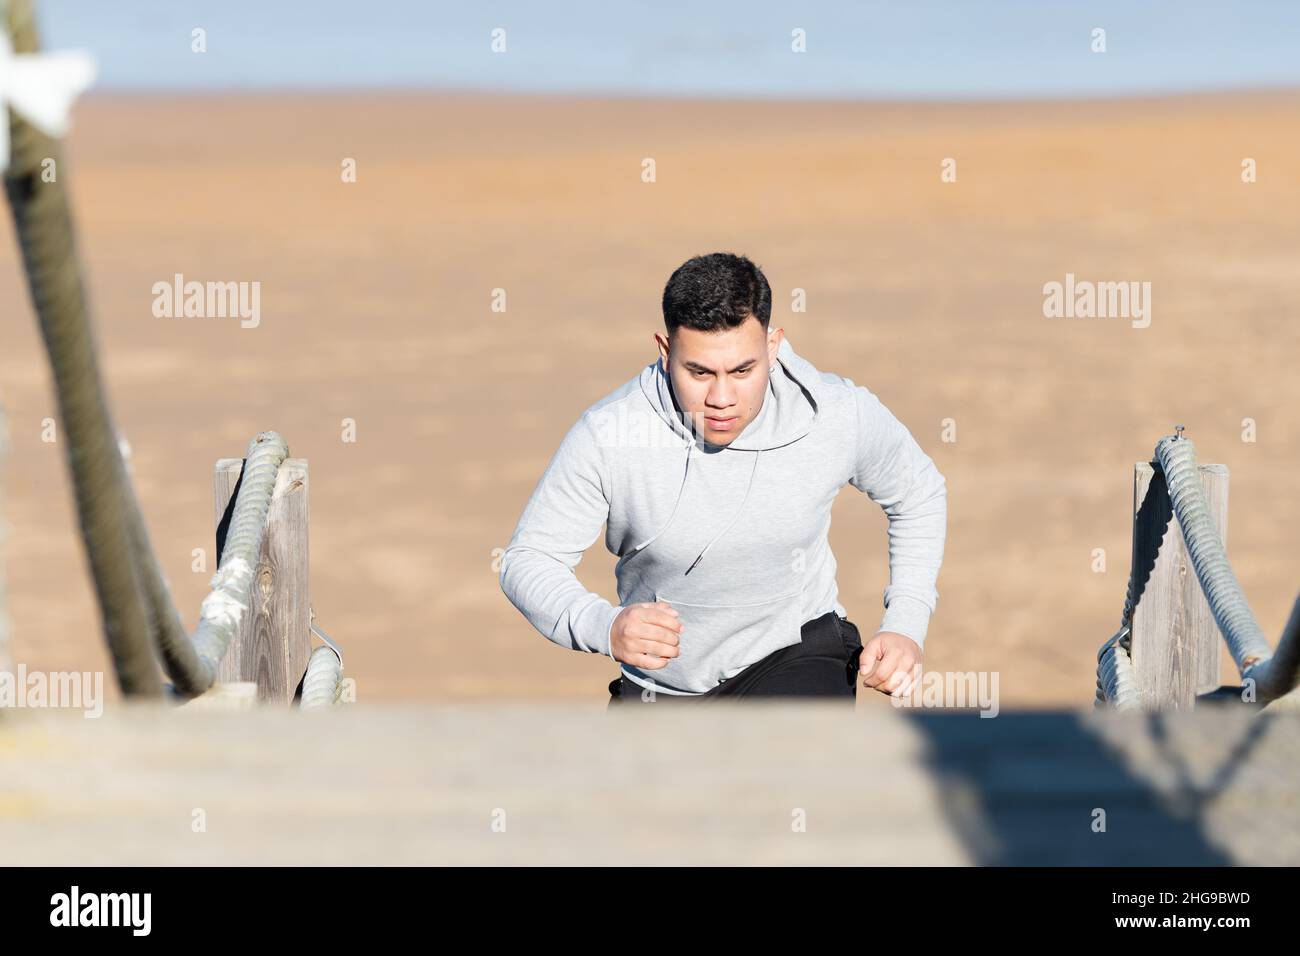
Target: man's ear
{"x":774,"y":338}
{"x":664,"y":347}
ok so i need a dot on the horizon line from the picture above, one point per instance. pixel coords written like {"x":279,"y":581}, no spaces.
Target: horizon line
{"x":316,"y":91}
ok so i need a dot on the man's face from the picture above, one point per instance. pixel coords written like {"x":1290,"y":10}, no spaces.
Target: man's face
{"x":720,"y":378}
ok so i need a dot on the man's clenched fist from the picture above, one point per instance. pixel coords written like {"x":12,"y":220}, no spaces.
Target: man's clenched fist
{"x":646,"y":635}
{"x":890,"y":663}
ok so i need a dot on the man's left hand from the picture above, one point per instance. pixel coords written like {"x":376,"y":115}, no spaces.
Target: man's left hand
{"x":890,"y":663}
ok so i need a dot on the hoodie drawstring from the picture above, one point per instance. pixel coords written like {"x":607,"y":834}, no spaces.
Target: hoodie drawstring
{"x":748,"y":489}
{"x":681,"y":489}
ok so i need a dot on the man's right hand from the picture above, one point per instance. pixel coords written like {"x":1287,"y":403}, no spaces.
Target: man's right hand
{"x":646,"y":635}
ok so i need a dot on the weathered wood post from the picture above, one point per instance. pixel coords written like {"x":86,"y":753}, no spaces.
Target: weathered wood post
{"x":1175,"y":641}
{"x":274,"y":639}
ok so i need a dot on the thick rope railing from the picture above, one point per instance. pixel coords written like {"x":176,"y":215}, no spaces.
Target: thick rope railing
{"x":1273,"y":674}
{"x":193,"y":664}
{"x":1246,"y":642}
{"x":1280,"y":674}
{"x":136,"y":607}
{"x":45,"y":234}
{"x":1116,"y":680}
{"x":320,"y":688}
{"x":322,"y":685}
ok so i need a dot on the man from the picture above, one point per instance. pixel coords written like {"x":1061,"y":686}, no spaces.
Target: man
{"x":714,"y":469}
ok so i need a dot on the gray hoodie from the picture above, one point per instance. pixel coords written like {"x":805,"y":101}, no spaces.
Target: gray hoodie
{"x":734,"y":536}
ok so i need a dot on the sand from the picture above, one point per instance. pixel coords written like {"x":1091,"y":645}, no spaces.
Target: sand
{"x":375,"y":307}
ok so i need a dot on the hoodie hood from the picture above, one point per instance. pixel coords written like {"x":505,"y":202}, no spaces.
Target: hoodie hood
{"x":789,"y":409}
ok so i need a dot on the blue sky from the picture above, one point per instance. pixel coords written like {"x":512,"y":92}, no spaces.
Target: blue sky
{"x":936,"y":49}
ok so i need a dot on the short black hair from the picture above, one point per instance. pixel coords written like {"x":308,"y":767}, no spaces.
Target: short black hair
{"x":716,"y":292}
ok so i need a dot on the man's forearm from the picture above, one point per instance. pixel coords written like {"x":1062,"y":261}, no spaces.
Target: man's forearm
{"x":562,"y":520}
{"x":917,"y":532}
{"x":554,"y":601}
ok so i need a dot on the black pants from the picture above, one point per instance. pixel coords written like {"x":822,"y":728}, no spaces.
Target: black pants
{"x":823,"y":664}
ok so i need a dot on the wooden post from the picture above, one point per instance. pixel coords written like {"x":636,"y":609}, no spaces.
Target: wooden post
{"x":274,"y":638}
{"x":1175,"y":641}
